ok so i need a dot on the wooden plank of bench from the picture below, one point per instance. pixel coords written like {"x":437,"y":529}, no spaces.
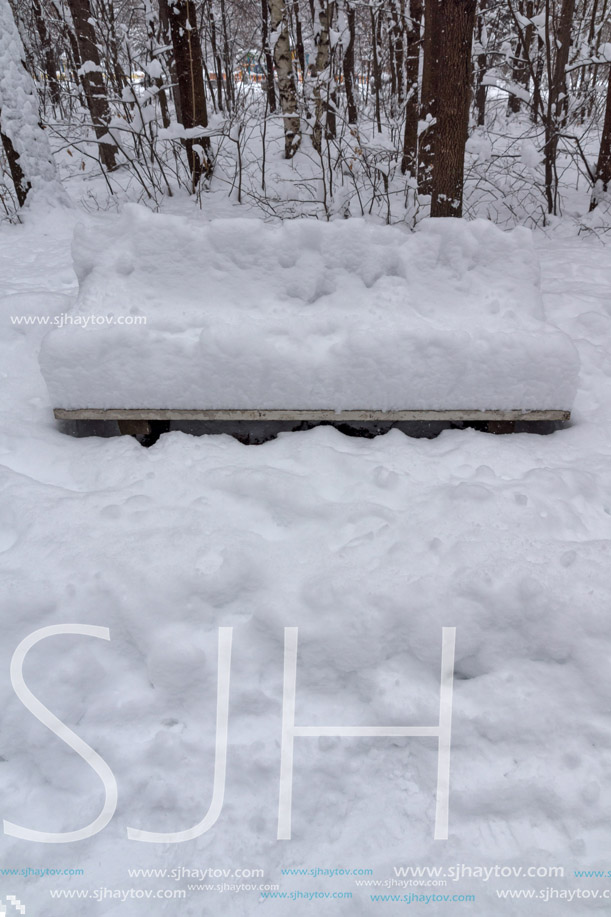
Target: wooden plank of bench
{"x":135,"y":414}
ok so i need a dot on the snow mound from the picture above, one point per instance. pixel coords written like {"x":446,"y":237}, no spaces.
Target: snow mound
{"x":20,"y":114}
{"x":242,"y":314}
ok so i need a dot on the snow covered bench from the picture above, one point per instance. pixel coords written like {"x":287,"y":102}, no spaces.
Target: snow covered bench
{"x":237,"y":319}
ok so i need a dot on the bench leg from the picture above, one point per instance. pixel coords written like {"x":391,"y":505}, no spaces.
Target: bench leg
{"x":147,"y":432}
{"x":501,"y":426}
{"x":134,"y":427}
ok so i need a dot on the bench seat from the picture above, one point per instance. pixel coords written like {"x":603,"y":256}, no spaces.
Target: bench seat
{"x":342,"y":322}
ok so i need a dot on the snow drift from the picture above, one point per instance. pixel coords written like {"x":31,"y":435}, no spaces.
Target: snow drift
{"x":345,"y":315}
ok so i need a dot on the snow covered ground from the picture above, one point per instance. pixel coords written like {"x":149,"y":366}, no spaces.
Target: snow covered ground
{"x":370,"y":547}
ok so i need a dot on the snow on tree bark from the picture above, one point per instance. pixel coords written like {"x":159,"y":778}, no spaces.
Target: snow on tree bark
{"x":190,"y":73}
{"x":428,"y":96}
{"x":92,"y":79}
{"x":25,"y":142}
{"x":164,"y":25}
{"x":286,"y":78}
{"x":323,"y":90}
{"x":482,"y":65}
{"x":157,"y":59}
{"x":48,"y":51}
{"x":269,"y":61}
{"x":558,"y":89}
{"x":409,"y":159}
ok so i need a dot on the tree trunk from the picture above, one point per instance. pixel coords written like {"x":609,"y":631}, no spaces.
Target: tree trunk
{"x":409,"y":160}
{"x":269,"y":61}
{"x":482,"y":64}
{"x":324,"y":103}
{"x":112,"y":44}
{"x":456,"y":22}
{"x":399,"y":49}
{"x":286,"y":78}
{"x":157,"y":54}
{"x":92,"y":79}
{"x":22,"y":185}
{"x":348,"y":65}
{"x":428,"y":104}
{"x":603,"y":167}
{"x":217,"y":59}
{"x":557,"y":102}
{"x":538,"y":107}
{"x":227,"y":60}
{"x":558,"y":91}
{"x":51,"y":67}
{"x":375,"y":62}
{"x":395,"y":56}
{"x":190,"y":75}
{"x":521,"y":64}
{"x":164,"y":24}
{"x":299,"y":39}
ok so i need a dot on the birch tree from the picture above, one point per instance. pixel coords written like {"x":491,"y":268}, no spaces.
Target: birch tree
{"x":324,"y":96}
{"x":287,"y":90}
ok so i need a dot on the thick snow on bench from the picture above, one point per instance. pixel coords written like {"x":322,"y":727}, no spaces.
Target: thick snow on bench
{"x":344,"y":315}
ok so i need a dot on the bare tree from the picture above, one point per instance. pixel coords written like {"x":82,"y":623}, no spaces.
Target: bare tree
{"x":375,"y":12}
{"x":399,"y":68}
{"x":156,"y":55}
{"x":482,"y":61}
{"x":521,"y":63}
{"x":286,"y":78}
{"x":324,"y":96}
{"x":348,"y":65}
{"x":20,"y":182}
{"x":299,"y":45}
{"x":603,"y":166}
{"x":409,"y":161}
{"x":557,"y":100}
{"x":166,"y":39}
{"x":428,"y":95}
{"x":92,"y":79}
{"x":190,"y":75}
{"x":267,"y":52}
{"x":456,"y":20}
{"x":48,"y":53}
